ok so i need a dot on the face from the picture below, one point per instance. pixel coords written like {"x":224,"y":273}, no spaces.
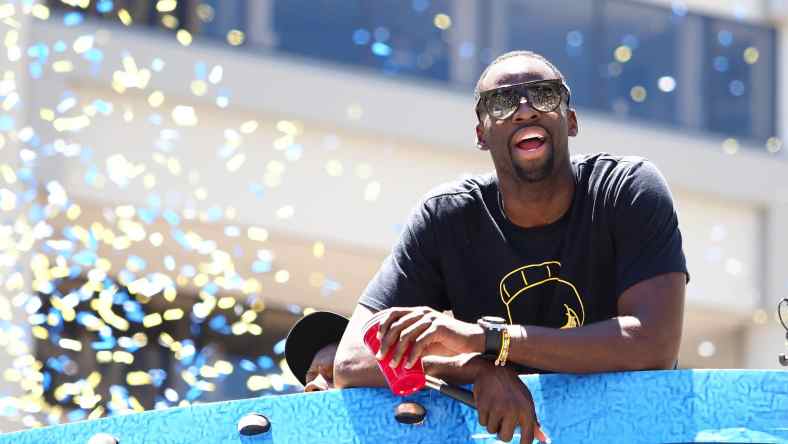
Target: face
{"x":530,"y":145}
{"x":320,"y":375}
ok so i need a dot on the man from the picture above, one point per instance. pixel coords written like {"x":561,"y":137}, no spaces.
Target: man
{"x":310,"y":348}
{"x":579,"y":258}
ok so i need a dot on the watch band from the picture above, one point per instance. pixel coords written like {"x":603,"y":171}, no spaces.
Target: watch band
{"x":494,"y":328}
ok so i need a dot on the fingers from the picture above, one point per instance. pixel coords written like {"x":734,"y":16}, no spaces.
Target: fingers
{"x":425,"y":338}
{"x":540,"y":434}
{"x":390,"y":327}
{"x":506,"y":432}
{"x":526,"y":429}
{"x":386,"y":320}
{"x":494,"y":420}
{"x":406,"y":337}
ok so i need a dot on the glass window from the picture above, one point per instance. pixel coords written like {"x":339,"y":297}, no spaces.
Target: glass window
{"x":637,"y":63}
{"x":560,"y":30}
{"x":380,"y":34}
{"x":738,"y":79}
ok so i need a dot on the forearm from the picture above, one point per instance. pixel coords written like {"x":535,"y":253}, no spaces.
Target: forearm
{"x":459,"y":370}
{"x":614,"y":345}
{"x":363,"y":371}
{"x":356,"y":367}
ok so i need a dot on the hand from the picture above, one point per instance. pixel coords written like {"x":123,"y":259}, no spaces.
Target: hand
{"x":430,"y":332}
{"x":504,"y":402}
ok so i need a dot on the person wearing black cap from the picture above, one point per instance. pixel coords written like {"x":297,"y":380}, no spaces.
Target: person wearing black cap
{"x":311,"y":346}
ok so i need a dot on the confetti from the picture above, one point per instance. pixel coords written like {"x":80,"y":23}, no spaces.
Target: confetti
{"x":142,"y":274}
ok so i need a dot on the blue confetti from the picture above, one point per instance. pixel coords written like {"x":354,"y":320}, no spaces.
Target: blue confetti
{"x":104,"y":6}
{"x":193,"y":394}
{"x":171,"y":217}
{"x":256,"y":189}
{"x":260,"y":266}
{"x":736,"y":88}
{"x":381,"y":49}
{"x":136,"y":262}
{"x":47,"y":382}
{"x":420,"y":5}
{"x":6,"y":123}
{"x":158,"y":376}
{"x":574,"y":38}
{"x":200,"y":70}
{"x":77,"y":415}
{"x":265,"y":362}
{"x":218,"y":322}
{"x":107,"y":343}
{"x":721,"y":63}
{"x":279,"y":347}
{"x":211,"y":288}
{"x":180,"y":237}
{"x":72,"y":19}
{"x":36,"y":70}
{"x":86,"y":258}
{"x":247,"y":365}
{"x":36,"y":213}
{"x":94,"y":55}
{"x":725,"y":38}
{"x":147,"y":215}
{"x":60,"y":46}
{"x":102,"y":106}
{"x":361,"y":36}
{"x":214,"y":214}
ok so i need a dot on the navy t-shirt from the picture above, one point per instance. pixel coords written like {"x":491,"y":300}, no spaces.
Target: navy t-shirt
{"x":459,"y":252}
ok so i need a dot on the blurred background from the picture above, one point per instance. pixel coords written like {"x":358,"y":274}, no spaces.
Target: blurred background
{"x":182,"y":180}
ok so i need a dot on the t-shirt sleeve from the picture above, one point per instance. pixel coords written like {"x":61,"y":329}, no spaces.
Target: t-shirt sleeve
{"x":646,"y":229}
{"x":410,"y":276}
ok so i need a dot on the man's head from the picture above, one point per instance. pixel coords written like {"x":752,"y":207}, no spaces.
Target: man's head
{"x":310,"y":348}
{"x":526,"y":144}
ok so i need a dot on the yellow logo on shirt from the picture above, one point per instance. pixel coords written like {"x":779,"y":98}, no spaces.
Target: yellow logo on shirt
{"x":515,"y":285}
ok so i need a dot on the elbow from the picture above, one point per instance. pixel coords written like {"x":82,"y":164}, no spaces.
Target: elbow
{"x":657,"y":352}
{"x":350,"y":370}
{"x":343,"y":373}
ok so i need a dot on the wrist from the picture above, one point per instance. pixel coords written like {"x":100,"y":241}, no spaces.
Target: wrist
{"x":476,"y":341}
{"x":479,"y":364}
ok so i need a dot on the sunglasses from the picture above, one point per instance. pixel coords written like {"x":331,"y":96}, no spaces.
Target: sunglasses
{"x":543,"y":95}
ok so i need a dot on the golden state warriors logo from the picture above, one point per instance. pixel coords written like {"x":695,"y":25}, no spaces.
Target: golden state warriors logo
{"x":519,"y":284}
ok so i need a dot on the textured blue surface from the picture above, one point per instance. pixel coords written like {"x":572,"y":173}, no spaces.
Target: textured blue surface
{"x":639,"y":407}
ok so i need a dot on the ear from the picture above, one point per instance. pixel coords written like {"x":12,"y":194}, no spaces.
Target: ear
{"x":571,"y":121}
{"x":480,"y":143}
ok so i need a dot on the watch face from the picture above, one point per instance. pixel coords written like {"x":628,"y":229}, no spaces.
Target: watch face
{"x":493,"y":320}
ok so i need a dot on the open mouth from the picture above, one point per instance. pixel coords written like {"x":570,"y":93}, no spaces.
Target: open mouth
{"x":531,"y":143}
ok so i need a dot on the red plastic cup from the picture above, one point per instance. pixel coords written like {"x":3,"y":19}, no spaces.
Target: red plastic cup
{"x":402,"y":381}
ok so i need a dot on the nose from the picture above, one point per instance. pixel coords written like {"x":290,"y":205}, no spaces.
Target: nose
{"x":318,"y":384}
{"x":524,"y":112}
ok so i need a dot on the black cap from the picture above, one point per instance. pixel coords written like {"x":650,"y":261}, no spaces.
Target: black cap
{"x":310,"y":334}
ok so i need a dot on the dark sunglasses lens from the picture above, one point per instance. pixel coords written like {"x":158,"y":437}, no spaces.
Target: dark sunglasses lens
{"x":502,"y":104}
{"x":544,"y":98}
